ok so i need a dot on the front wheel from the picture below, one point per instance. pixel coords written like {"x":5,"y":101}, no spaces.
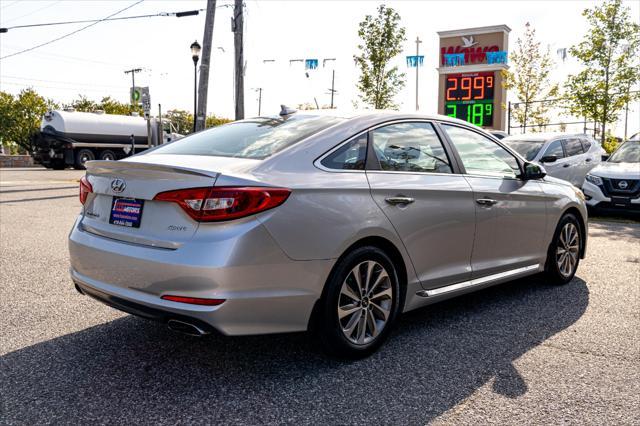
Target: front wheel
{"x":564,"y":252}
{"x":360,"y":304}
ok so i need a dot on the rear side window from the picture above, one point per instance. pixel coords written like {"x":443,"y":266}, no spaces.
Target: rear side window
{"x":555,"y":149}
{"x":586,"y":144}
{"x":256,"y":138}
{"x":410,"y":147}
{"x":350,"y":156}
{"x":573,"y":147}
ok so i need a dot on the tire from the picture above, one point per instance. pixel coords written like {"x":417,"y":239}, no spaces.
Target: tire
{"x":81,"y":157}
{"x":563,"y":256}
{"x":352,"y":336}
{"x":108,"y":155}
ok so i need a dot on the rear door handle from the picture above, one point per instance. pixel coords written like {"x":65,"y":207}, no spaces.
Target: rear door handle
{"x":566,"y":165}
{"x":588,"y":160}
{"x":486,"y":201}
{"x":399,"y":200}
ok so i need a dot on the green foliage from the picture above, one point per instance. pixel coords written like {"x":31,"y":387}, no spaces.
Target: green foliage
{"x":20,"y":118}
{"x":610,"y":144}
{"x":182,"y":120}
{"x":531,"y":66}
{"x":382,"y":39}
{"x":107,"y":104}
{"x":609,"y":53}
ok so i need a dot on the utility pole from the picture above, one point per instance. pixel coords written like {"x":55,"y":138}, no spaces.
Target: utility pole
{"x":237,"y":26}
{"x":333,"y":80}
{"x":133,"y":72}
{"x":418,"y":41}
{"x":203,"y":85}
{"x":259,"y":89}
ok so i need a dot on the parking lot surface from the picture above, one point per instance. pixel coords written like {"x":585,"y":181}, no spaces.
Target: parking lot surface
{"x":523,"y":352}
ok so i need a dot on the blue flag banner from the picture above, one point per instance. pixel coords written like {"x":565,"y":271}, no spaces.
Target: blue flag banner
{"x":310,"y":64}
{"x":454,"y":59}
{"x":415,"y":61}
{"x":499,"y":57}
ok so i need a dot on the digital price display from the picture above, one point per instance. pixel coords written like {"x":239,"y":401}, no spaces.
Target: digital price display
{"x":469,"y":97}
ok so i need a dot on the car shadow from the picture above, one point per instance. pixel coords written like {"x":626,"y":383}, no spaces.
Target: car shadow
{"x":130,"y":370}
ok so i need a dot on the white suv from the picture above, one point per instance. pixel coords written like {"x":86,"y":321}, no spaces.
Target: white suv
{"x":615,"y":184}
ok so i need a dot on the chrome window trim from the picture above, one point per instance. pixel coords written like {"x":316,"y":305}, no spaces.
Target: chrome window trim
{"x":317,"y":163}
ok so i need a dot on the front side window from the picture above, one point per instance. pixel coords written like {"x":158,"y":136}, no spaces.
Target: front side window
{"x":350,"y":156}
{"x":481,"y":155}
{"x":573,"y":147}
{"x":256,"y":138}
{"x":410,"y":147}
{"x":554,"y":149}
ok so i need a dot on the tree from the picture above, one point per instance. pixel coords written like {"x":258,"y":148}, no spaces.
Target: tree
{"x":530,"y":78}
{"x":382,"y":39}
{"x":112,"y":106}
{"x":20,"y":118}
{"x":181,"y":120}
{"x":609,"y":54}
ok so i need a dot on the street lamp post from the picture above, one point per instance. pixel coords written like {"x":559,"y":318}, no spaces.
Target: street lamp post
{"x":195,"y":55}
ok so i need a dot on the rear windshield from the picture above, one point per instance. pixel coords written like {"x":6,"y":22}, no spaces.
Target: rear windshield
{"x":256,"y":138}
{"x":528,"y":149}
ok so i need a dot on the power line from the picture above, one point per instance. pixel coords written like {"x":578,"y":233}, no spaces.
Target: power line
{"x":75,"y":83}
{"x":84,"y":21}
{"x":33,"y":12}
{"x":7,"y":6}
{"x":71,"y":33}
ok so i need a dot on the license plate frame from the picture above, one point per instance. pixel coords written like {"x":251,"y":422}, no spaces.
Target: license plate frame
{"x":126,"y":212}
{"x":621,"y":201}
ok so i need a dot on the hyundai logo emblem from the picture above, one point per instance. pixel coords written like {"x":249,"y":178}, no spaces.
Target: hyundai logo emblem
{"x":623,"y":184}
{"x":118,"y":185}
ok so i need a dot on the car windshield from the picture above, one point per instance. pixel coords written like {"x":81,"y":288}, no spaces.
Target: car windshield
{"x":629,"y":152}
{"x":528,"y":149}
{"x":256,"y":138}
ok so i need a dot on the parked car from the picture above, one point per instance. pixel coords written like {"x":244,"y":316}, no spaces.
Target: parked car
{"x":329,"y":223}
{"x":615,"y":184}
{"x":564,"y":156}
{"x":499,"y":134}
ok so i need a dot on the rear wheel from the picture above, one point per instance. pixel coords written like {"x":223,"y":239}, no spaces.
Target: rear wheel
{"x":564,"y":253}
{"x":360,"y":304}
{"x":108,"y":155}
{"x":82,"y":156}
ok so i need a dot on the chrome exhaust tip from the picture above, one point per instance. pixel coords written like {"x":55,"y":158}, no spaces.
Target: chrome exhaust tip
{"x":185,"y":328}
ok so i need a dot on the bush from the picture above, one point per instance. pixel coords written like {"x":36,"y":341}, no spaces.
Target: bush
{"x":610,"y":144}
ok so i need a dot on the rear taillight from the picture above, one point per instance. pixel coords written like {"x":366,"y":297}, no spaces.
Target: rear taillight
{"x":85,"y":189}
{"x":193,"y":300}
{"x":215,"y":204}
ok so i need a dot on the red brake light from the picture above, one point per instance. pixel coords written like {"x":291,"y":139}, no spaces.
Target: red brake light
{"x":85,"y":189}
{"x":215,"y":204}
{"x":194,"y":300}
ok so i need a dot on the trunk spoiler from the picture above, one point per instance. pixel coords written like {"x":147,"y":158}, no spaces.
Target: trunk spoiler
{"x":106,"y":167}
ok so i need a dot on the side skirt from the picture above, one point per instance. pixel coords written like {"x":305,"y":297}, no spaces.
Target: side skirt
{"x":478,"y":281}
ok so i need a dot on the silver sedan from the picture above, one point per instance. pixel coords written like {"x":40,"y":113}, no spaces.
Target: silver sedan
{"x":332,"y":223}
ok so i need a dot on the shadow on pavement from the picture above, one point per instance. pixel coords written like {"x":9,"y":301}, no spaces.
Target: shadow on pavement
{"x":132,"y":371}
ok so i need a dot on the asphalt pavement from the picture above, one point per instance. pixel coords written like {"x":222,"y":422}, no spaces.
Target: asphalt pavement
{"x":521,"y":353}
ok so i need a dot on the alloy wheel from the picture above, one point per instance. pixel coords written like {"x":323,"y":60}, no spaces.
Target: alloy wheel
{"x":567,"y":249}
{"x":365,"y":302}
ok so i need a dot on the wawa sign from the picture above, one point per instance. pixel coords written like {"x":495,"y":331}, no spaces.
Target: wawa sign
{"x":473,"y":52}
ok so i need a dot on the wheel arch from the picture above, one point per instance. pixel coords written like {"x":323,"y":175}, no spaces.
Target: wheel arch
{"x":581,"y":223}
{"x":386,"y":246}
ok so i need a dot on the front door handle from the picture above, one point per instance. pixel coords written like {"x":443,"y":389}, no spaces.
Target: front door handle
{"x":399,"y":200}
{"x":566,"y":165}
{"x":588,"y":160}
{"x":486,"y":201}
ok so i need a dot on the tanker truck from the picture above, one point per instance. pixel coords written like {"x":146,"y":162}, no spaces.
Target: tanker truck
{"x":70,"y":138}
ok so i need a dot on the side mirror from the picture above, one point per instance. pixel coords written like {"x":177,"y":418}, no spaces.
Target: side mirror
{"x":533,"y":171}
{"x":549,"y":159}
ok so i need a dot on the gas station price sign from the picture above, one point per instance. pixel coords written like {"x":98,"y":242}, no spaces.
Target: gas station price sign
{"x":469,"y":97}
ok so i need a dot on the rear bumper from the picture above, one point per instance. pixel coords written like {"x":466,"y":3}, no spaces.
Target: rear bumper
{"x":264,"y":291}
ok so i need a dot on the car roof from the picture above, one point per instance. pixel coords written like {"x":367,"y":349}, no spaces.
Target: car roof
{"x":542,"y":137}
{"x":368,"y":114}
